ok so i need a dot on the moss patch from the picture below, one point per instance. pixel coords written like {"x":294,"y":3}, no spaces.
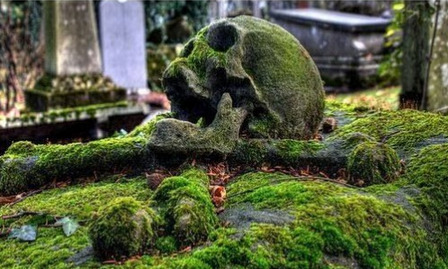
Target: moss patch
{"x":403,"y":130}
{"x":429,"y":172}
{"x":334,"y":226}
{"x":52,"y":248}
{"x":26,"y":166}
{"x":122,"y":228}
{"x":186,"y":206}
{"x":284,"y":151}
{"x":373,"y":163}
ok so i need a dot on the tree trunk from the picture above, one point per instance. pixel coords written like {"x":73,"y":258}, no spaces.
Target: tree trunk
{"x":437,"y":91}
{"x":416,"y":34}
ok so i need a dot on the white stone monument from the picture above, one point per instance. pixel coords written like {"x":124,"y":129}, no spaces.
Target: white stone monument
{"x":122,"y":35}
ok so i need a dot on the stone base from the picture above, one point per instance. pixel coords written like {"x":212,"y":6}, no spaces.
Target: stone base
{"x":349,"y":72}
{"x":43,"y":101}
{"x":55,"y":92}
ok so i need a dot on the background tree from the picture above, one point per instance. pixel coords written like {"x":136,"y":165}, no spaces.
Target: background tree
{"x":21,"y":53}
{"x":416,"y":34}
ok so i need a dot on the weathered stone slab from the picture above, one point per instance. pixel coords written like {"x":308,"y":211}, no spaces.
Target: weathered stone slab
{"x":71,"y":38}
{"x":122,"y":34}
{"x":346,"y":47}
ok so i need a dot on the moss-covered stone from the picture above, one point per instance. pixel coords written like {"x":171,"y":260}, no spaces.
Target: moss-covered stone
{"x":123,"y":228}
{"x":72,"y":91}
{"x":26,"y":166}
{"x":275,"y":151}
{"x":187,"y":208}
{"x":373,"y":163}
{"x":174,"y":136}
{"x":332,"y":226}
{"x":429,"y":172}
{"x":405,"y":131}
{"x":264,"y":69}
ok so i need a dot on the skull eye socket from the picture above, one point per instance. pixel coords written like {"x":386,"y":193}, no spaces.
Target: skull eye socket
{"x":222,"y":36}
{"x":188,"y":48}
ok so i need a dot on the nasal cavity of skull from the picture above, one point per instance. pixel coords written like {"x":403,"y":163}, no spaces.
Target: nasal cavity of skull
{"x":222,"y":36}
{"x":192,"y":109}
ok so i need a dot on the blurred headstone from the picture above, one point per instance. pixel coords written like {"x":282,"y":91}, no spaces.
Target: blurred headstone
{"x":73,"y":76}
{"x":347,"y":48}
{"x":437,"y":97}
{"x":71,"y":41}
{"x":122,"y":34}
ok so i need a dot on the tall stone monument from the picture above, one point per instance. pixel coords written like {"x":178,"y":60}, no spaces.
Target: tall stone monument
{"x":437,"y":96}
{"x":71,"y":39}
{"x":72,"y":60}
{"x":122,"y":34}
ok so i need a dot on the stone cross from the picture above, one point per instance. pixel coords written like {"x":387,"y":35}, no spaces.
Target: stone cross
{"x":122,"y":34}
{"x":71,"y":38}
{"x":437,"y":96}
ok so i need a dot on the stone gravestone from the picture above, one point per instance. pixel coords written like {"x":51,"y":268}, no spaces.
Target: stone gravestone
{"x":71,"y":41}
{"x":122,"y":34}
{"x":437,"y":98}
{"x":72,"y":60}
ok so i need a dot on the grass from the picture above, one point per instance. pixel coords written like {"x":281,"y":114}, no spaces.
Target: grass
{"x":376,"y":98}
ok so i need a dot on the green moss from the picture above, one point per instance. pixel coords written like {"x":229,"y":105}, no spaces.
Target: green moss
{"x":373,"y":163}
{"x":123,"y":228}
{"x":190,"y":263}
{"x":145,"y":130}
{"x":402,"y":130}
{"x":81,"y":201}
{"x":334,"y":226}
{"x":186,"y":206}
{"x":21,"y":171}
{"x":50,"y":250}
{"x":202,"y":52}
{"x":26,"y":166}
{"x":284,"y":151}
{"x":291,"y":149}
{"x":166,"y":244}
{"x":429,"y":172}
{"x":351,"y":224}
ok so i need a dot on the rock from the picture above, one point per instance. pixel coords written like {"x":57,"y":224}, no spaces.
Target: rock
{"x":264,"y":69}
{"x":81,"y":257}
{"x":154,"y":179}
{"x":123,"y":228}
{"x":186,"y":205}
{"x":373,"y":163}
{"x":329,"y":125}
{"x":243,"y":215}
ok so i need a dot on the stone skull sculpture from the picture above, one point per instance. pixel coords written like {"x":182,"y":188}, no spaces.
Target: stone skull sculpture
{"x":264,"y":69}
{"x":260,"y":66}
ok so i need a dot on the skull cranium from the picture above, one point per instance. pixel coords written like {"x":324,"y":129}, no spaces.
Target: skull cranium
{"x":264,"y":69}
